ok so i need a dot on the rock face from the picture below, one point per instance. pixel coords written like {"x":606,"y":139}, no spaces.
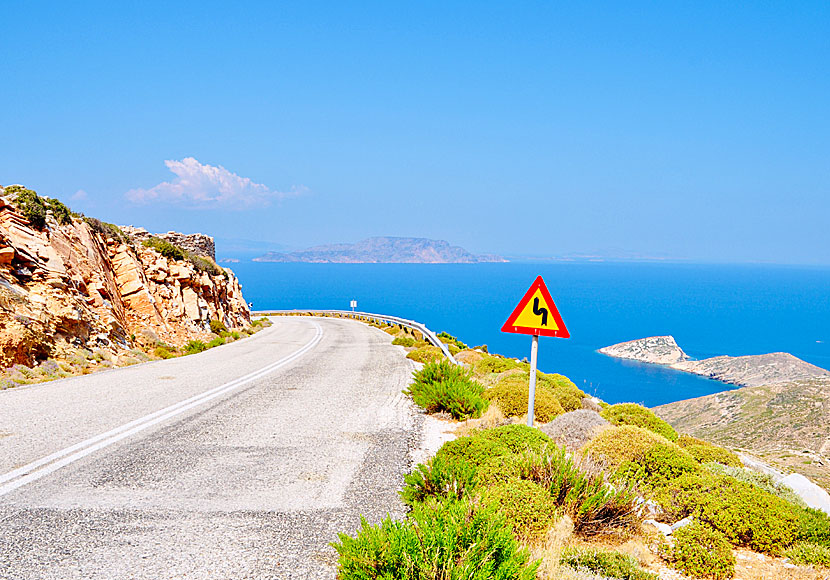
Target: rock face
{"x":72,"y":286}
{"x":661,"y":350}
{"x":386,"y":250}
{"x":745,"y":371}
{"x":754,"y":370}
{"x":199,"y":244}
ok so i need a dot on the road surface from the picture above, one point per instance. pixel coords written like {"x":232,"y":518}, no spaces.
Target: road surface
{"x":244,"y":461}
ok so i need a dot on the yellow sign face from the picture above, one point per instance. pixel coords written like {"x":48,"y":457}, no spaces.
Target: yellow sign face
{"x":536,"y":314}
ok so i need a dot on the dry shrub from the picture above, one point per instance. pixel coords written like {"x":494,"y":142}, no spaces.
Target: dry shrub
{"x":574,"y":429}
{"x":511,"y":394}
{"x":617,"y":445}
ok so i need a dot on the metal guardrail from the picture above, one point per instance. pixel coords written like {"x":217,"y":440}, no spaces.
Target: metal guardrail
{"x":428,"y":334}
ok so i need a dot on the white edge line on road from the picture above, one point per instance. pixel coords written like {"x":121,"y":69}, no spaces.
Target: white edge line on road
{"x":32,"y":471}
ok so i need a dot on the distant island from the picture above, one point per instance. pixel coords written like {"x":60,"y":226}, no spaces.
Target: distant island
{"x":744,"y":371}
{"x":383,"y":250}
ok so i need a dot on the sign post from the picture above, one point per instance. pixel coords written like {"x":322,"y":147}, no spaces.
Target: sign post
{"x":537,"y":315}
{"x":353,"y":304}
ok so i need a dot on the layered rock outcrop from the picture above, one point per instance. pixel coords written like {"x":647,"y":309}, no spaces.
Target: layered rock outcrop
{"x":75,"y":285}
{"x":198,"y":244}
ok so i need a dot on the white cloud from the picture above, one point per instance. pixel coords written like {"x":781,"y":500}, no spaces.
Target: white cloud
{"x":79,"y":195}
{"x":207,"y":186}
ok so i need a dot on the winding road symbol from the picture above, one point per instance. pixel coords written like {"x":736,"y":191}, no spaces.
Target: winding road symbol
{"x":543,"y":312}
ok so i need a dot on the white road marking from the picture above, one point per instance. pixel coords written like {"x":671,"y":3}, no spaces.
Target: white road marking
{"x":51,"y":463}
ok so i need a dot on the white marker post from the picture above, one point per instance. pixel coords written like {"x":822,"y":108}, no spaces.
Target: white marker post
{"x":353,"y":304}
{"x":531,"y":395}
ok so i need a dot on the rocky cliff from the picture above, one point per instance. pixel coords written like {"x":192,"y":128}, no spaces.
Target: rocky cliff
{"x":662,"y":350}
{"x":68,"y":283}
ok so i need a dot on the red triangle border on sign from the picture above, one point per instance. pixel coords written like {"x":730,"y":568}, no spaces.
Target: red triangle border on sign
{"x":509,"y":326}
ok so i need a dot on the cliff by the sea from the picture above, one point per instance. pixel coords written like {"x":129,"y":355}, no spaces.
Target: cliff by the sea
{"x":69,"y":283}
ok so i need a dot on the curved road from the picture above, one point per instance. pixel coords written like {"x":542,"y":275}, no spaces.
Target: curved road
{"x":241,"y":462}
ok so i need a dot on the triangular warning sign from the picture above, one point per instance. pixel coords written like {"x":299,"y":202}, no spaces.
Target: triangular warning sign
{"x":536,"y":314}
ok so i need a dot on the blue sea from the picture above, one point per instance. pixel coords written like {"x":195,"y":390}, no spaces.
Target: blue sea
{"x":710,"y":310}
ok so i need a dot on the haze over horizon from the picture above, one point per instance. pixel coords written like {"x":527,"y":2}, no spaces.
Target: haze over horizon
{"x":685,"y":132}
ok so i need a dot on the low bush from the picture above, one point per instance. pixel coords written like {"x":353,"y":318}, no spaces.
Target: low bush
{"x":35,"y":208}
{"x":517,"y":438}
{"x":194,"y":346}
{"x":474,"y":450}
{"x":218,"y":327}
{"x":445,"y":387}
{"x":164,"y":248}
{"x":574,"y":429}
{"x":218,"y":341}
{"x":638,"y":416}
{"x":107,"y":231}
{"x":702,"y":552}
{"x":807,"y":554}
{"x":406,"y":341}
{"x":204,"y":264}
{"x":759,"y":480}
{"x":441,"y":478}
{"x":617,"y":445}
{"x":605,"y":563}
{"x":495,"y":364}
{"x":511,"y":394}
{"x":659,"y":464}
{"x":564,"y":390}
{"x":746,"y":515}
{"x":452,"y":540}
{"x":447,"y":338}
{"x":527,"y":508}
{"x":426,"y":354}
{"x":706,"y":452}
{"x":813,"y":526}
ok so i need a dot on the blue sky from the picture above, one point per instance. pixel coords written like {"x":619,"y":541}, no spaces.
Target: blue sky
{"x":688,"y":130}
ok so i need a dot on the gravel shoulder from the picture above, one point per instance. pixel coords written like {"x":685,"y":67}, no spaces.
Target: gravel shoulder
{"x":255,"y":484}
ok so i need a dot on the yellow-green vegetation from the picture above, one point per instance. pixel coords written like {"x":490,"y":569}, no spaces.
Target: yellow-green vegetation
{"x":457,"y":540}
{"x":511,"y":394}
{"x":496,"y":364}
{"x":36,"y":208}
{"x":809,"y":554}
{"x":706,"y":452}
{"x":426,"y":354}
{"x":175,"y":253}
{"x":108,"y":231}
{"x":449,"y":339}
{"x":444,"y":387}
{"x":405,"y":341}
{"x":639,"y":416}
{"x":528,"y":508}
{"x":759,"y":480}
{"x":605,"y":563}
{"x":164,"y":351}
{"x":617,"y":445}
{"x":701,"y":552}
{"x":490,"y":463}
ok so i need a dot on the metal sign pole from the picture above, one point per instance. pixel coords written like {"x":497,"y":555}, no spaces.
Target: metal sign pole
{"x":531,"y":395}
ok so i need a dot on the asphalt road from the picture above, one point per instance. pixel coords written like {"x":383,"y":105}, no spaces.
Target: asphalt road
{"x":241,"y":462}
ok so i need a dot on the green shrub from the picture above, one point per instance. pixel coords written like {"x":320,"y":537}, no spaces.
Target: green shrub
{"x":164,"y":248}
{"x":707,"y":453}
{"x":659,"y":463}
{"x":474,"y":450}
{"x":30,"y":204}
{"x":494,"y":364}
{"x":807,"y":554}
{"x":204,"y":264}
{"x":633,"y":414}
{"x":527,"y":508}
{"x":564,"y":390}
{"x":813,"y":526}
{"x":164,"y":351}
{"x":746,"y":515}
{"x":517,"y":438}
{"x":218,"y":327}
{"x":448,"y":339}
{"x":406,"y":341}
{"x":426,"y":354}
{"x":194,"y":346}
{"x":444,"y":387}
{"x":218,"y":341}
{"x":617,"y":445}
{"x":605,"y":563}
{"x":702,"y":552}
{"x":759,"y":480}
{"x":441,"y":478}
{"x":451,"y":540}
{"x":511,"y":394}
{"x":107,"y":231}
